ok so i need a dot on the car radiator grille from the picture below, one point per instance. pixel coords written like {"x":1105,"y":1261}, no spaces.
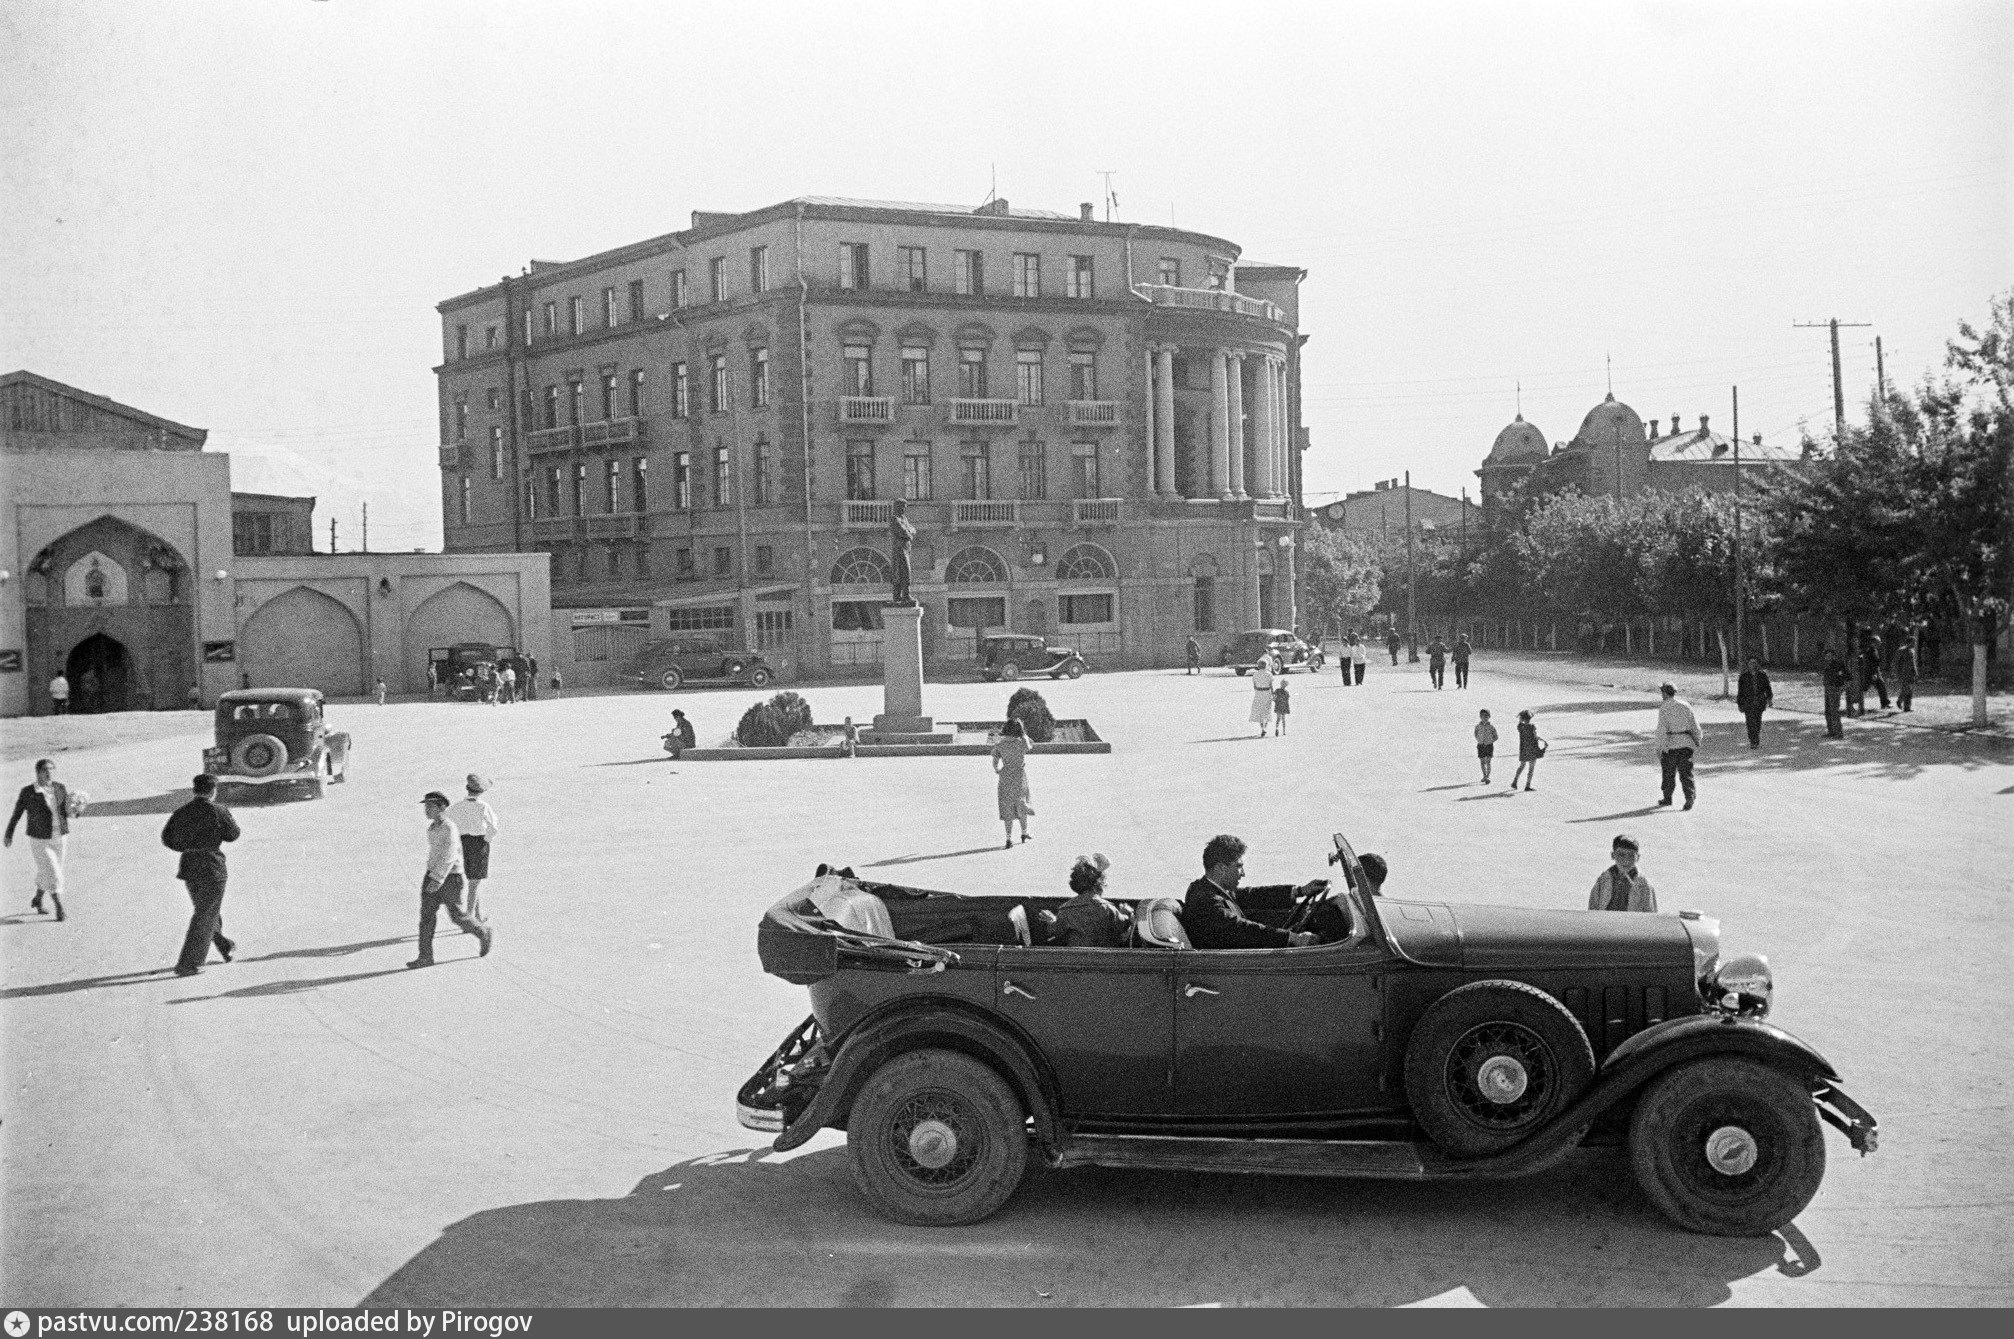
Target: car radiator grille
{"x":1609,"y":1014}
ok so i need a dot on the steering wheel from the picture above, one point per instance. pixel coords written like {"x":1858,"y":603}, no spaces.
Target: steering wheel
{"x":1318,"y":892}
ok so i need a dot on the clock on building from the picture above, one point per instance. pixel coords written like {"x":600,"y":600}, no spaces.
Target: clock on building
{"x":1335,"y":510}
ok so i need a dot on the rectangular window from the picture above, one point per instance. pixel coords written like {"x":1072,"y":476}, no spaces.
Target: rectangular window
{"x":1204,"y":608}
{"x":1077,"y":281}
{"x":576,"y":396}
{"x":765,"y":482}
{"x":716,"y":278}
{"x":758,"y":269}
{"x":527,"y":326}
{"x":858,"y":377}
{"x":765,"y":557}
{"x":712,"y":618}
{"x":758,"y":378}
{"x":1083,"y":609}
{"x":1220,"y":274}
{"x":496,"y":452}
{"x":1084,"y":469}
{"x":680,"y":298}
{"x":608,"y":308}
{"x":528,"y":408}
{"x":1034,"y":471}
{"x":530,"y":499}
{"x":461,"y":418}
{"x":639,"y":487}
{"x":635,"y":300}
{"x":1170,"y":272}
{"x":580,"y":488}
{"x":612,"y":486}
{"x":853,"y":265}
{"x":977,"y":477}
{"x":607,"y":396}
{"x":717,"y":384}
{"x":856,"y":616}
{"x":636,"y":402}
{"x":493,"y":398}
{"x":914,"y":273}
{"x":681,"y":391}
{"x":573,"y":321}
{"x":723,"y":560}
{"x":772,"y":629}
{"x":464,"y":501}
{"x":551,"y":407}
{"x":916,"y":475}
{"x":643,"y":562}
{"x":968,"y":273}
{"x":552,"y":503}
{"x":681,"y":480}
{"x":915,"y":374}
{"x":684,"y":569}
{"x":1083,"y":376}
{"x":1027,"y":274}
{"x":551,"y":319}
{"x":614,"y":561}
{"x":723,"y":476}
{"x":971,"y":374}
{"x":1028,"y":376}
{"x":982,"y":612}
{"x":489,"y":337}
{"x":860,"y":471}
{"x":461,"y":342}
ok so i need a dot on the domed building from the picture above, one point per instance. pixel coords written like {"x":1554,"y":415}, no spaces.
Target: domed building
{"x":1520,"y":450}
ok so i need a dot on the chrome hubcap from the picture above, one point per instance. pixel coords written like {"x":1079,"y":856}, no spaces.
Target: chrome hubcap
{"x":933,"y":1144}
{"x":1502,"y":1079}
{"x":1731,"y":1150}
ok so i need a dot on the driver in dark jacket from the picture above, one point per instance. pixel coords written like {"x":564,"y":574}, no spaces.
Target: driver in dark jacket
{"x":1210,"y":910}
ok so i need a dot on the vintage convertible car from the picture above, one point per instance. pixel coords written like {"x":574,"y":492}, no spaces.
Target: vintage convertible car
{"x":1424,"y":1040}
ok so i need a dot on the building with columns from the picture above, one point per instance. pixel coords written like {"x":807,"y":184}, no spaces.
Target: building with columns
{"x":1096,"y":426}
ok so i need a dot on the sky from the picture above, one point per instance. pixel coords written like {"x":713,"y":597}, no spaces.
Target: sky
{"x":240,"y":214}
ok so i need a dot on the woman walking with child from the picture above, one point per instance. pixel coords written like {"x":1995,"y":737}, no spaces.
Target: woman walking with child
{"x":1262,"y":694}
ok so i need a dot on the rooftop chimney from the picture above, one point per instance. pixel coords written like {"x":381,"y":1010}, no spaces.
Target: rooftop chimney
{"x":1758,"y":439}
{"x":1702,"y":423}
{"x":1084,"y":213}
{"x":1674,"y":425}
{"x":1653,"y":430}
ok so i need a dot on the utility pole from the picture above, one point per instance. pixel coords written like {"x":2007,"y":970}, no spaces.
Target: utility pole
{"x":1461,"y":556}
{"x":1838,"y":388}
{"x":1110,"y":199}
{"x":1740,"y":592}
{"x":332,"y":534}
{"x":1880,"y":372}
{"x":367,"y":528}
{"x":1616,"y":428}
{"x":1412,"y":626}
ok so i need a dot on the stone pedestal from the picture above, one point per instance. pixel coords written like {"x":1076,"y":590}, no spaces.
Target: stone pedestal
{"x":902,"y":672}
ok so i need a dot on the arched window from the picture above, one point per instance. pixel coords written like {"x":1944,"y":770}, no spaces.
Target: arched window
{"x":976,"y":566}
{"x":94,"y":584}
{"x":1087,"y":562}
{"x":861,"y":567}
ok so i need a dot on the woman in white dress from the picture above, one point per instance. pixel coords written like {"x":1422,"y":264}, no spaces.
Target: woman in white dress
{"x":1262,"y":694}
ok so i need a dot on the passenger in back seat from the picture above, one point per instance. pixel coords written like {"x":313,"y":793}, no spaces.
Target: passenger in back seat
{"x":1088,"y":920}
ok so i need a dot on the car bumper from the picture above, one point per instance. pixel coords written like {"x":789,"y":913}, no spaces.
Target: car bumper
{"x":780,"y":1091}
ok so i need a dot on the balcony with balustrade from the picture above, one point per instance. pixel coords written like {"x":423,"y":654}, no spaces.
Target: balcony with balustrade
{"x":1210,"y":299}
{"x":867,"y":409}
{"x":985,"y":512}
{"x":615,"y":432}
{"x":547,"y":441}
{"x":1086,"y":511}
{"x":550,"y":529}
{"x":620,"y":525}
{"x":1094,"y":413}
{"x":855,"y":515}
{"x":985,"y":413}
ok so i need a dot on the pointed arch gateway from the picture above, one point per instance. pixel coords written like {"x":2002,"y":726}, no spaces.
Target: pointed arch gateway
{"x":452,"y":615}
{"x":303,"y":638}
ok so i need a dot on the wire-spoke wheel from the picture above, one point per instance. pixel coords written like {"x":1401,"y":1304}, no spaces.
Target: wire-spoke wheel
{"x":1492,"y":1062}
{"x":937,"y":1139}
{"x":1727,"y":1146}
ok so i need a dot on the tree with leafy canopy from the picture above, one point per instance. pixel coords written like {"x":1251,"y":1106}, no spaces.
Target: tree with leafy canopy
{"x":1339,"y":576}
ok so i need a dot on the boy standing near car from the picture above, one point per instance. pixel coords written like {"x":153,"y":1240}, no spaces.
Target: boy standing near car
{"x":1620,"y":887}
{"x":441,"y":885}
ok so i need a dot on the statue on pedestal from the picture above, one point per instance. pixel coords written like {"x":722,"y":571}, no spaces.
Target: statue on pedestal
{"x":901,"y":534}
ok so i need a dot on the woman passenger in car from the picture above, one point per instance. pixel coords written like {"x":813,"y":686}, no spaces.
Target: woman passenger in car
{"x":1088,"y":920}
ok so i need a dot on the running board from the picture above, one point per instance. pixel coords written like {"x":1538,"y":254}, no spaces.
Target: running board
{"x":1375,"y":1158}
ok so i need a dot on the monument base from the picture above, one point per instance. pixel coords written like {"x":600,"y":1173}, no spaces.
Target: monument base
{"x":889,"y":724}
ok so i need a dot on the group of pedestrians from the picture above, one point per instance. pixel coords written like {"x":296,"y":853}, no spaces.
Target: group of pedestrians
{"x":1439,"y":653}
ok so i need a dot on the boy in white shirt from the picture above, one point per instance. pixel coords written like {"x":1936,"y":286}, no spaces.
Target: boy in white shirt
{"x":1486,"y":743}
{"x":476,"y":823}
{"x":441,"y":886}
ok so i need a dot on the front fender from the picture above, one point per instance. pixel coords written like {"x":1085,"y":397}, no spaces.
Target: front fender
{"x":952,"y":1025}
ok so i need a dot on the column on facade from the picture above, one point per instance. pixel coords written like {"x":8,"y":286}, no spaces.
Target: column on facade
{"x":1282,"y":430}
{"x":1234,"y":364}
{"x":1264,"y":481}
{"x":1153,"y":451}
{"x":1164,"y":418}
{"x":1220,"y":427}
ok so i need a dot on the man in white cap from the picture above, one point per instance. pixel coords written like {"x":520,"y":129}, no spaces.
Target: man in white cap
{"x":476,"y":823}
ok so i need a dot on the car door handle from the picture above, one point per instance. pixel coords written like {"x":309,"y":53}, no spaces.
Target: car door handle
{"x":1009,"y":988}
{"x":1190,"y":991}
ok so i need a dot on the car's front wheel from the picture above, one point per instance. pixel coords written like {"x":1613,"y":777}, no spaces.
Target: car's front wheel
{"x":1492,"y":1061}
{"x":1074,"y":670}
{"x":1010,"y":670}
{"x":669,"y":679}
{"x":937,"y":1139}
{"x":759,"y":677}
{"x":1727,"y":1146}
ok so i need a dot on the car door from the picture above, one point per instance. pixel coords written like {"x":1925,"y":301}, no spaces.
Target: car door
{"x":1265,"y":1032}
{"x":1103,"y":1018}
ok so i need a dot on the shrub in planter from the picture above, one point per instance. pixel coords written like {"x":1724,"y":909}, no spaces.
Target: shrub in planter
{"x":1027,"y":707}
{"x":762,"y":727}
{"x":794,"y":710}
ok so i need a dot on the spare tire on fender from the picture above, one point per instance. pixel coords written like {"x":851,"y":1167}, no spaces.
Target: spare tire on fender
{"x":1491,"y":1062}
{"x":258,"y":755}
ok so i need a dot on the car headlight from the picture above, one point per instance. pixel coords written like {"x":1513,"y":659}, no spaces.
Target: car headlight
{"x":1742,"y":986}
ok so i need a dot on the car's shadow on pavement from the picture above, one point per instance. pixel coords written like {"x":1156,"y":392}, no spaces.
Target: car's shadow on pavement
{"x":166,"y":803}
{"x":742,"y":1229}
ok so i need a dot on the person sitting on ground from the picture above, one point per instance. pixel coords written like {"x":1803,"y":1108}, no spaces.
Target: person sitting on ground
{"x":1620,"y":887}
{"x":682,"y":736}
{"x":1088,"y":920}
{"x":1210,"y":910}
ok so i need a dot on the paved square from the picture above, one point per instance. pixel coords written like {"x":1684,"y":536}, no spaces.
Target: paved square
{"x":315,"y":1125}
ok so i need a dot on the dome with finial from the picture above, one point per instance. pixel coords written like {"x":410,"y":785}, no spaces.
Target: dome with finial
{"x":1520,"y":443}
{"x":1608,"y":421}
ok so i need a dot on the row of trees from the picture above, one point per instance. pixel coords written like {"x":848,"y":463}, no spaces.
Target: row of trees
{"x":1906,"y":520}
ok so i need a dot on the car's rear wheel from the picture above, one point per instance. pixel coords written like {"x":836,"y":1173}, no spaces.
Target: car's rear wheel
{"x":259,"y":755}
{"x":1241,"y":670}
{"x":1727,"y":1146}
{"x":937,"y":1139}
{"x":1074,"y":670}
{"x":1315,"y":663}
{"x":669,"y":679}
{"x":1492,"y":1061}
{"x":759,"y":677}
{"x":1010,"y":670}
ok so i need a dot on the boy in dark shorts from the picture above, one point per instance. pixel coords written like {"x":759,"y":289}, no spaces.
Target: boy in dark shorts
{"x":1486,"y":743}
{"x":1283,"y":703}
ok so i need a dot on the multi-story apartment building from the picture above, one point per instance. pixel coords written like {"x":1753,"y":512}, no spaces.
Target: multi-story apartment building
{"x":1095,"y":424}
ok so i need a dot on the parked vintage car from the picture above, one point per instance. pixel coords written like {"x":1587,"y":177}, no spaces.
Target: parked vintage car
{"x":1242,"y":652}
{"x":694,"y":657}
{"x":1011,"y":655}
{"x":1420,"y":1040}
{"x":272,"y":743}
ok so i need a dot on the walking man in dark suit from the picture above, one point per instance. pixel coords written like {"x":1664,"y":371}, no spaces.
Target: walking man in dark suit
{"x":1461,"y":655}
{"x":199,"y":830}
{"x":1835,"y":687}
{"x":1210,"y":910}
{"x":1753,"y":697}
{"x":46,"y":806}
